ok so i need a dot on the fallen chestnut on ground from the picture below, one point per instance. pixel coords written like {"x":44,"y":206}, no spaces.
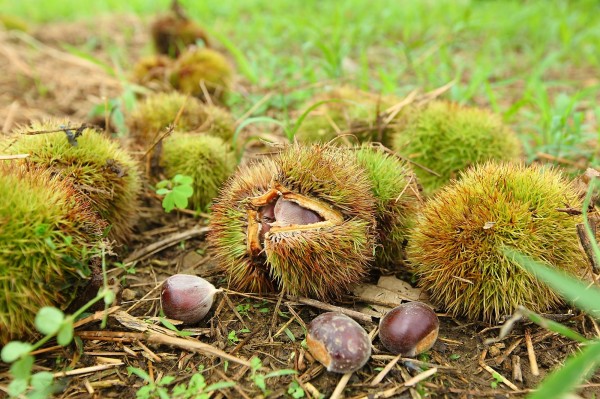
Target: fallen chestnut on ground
{"x":409,"y":329}
{"x":187,"y":298}
{"x":338,"y":342}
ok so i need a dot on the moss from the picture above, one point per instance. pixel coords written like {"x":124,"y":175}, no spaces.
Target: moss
{"x":199,"y":67}
{"x":456,"y":247}
{"x":447,"y":138}
{"x":157,"y":111}
{"x":101,"y":172}
{"x":396,"y":190}
{"x":208,"y":160}
{"x":47,"y":232}
{"x":346,"y":112}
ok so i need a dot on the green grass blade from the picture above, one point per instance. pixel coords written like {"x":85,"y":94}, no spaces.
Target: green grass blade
{"x":258,"y":119}
{"x":584,"y":297}
{"x":89,"y":57}
{"x":553,"y":325}
{"x":240,"y":59}
{"x":593,"y":185}
{"x":308,"y":111}
{"x":566,"y":378}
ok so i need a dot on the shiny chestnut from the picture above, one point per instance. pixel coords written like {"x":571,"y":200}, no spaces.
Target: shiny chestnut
{"x":338,"y":342}
{"x":187,"y":298}
{"x":409,"y":329}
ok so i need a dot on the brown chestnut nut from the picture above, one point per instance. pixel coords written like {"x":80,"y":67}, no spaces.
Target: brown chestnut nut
{"x":338,"y":342}
{"x":409,"y":329}
{"x":187,"y":298}
{"x":288,"y":212}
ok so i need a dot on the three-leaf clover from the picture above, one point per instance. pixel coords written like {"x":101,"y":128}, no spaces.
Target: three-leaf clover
{"x":176,"y":191}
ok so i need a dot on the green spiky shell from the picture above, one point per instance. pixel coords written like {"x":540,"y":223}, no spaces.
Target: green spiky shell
{"x":152,"y":116}
{"x":346,"y":110}
{"x":447,"y":138}
{"x":229,"y":224}
{"x":397,"y":193}
{"x":47,"y":230}
{"x":202,"y":65}
{"x":101,"y":172}
{"x":152,"y":71}
{"x":207,"y":159}
{"x":456,"y":246}
{"x":172,"y":34}
{"x":318,"y":263}
{"x":218,"y":122}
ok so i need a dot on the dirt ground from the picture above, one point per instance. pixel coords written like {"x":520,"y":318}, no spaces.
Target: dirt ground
{"x":36,"y":82}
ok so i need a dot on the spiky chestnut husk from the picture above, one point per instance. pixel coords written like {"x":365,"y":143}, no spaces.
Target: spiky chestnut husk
{"x":207,"y":159}
{"x":152,"y":116}
{"x":172,"y":34}
{"x":47,"y":230}
{"x":218,"y":122}
{"x":152,"y":71}
{"x":447,"y":138}
{"x":347,"y":111}
{"x":101,"y":172}
{"x":397,"y":193}
{"x":456,"y":246}
{"x":228,"y":235}
{"x":259,"y":247}
{"x":201,"y":66}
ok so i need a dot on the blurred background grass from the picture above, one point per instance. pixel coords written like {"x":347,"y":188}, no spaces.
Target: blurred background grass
{"x":535,"y":62}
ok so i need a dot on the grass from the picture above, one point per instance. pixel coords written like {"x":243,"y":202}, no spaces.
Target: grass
{"x":536,"y":63}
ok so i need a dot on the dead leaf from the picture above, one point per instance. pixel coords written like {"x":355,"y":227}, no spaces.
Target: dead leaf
{"x":403,"y":288}
{"x":382,"y":296}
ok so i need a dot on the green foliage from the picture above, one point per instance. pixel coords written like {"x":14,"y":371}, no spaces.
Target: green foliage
{"x":196,"y":387}
{"x":260,"y":379}
{"x":497,"y":380}
{"x":172,"y":327}
{"x":113,"y":108}
{"x":103,"y":174}
{"x":448,"y":138}
{"x":232,"y":337}
{"x":295,"y":390}
{"x":457,"y":245}
{"x":176,"y":192}
{"x":207,"y":160}
{"x":558,"y":126}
